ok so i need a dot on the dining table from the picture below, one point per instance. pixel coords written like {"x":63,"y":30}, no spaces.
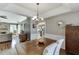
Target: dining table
{"x":35,"y":47}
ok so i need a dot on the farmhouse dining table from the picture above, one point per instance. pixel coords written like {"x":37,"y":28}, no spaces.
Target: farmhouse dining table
{"x":35,"y":47}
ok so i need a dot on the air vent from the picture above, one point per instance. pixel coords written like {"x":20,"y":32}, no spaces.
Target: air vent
{"x":4,"y":17}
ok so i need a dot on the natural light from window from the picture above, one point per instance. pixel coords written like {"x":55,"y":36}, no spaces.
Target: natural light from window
{"x":14,"y":28}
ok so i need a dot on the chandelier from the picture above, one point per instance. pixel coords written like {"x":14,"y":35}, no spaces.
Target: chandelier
{"x":37,"y":17}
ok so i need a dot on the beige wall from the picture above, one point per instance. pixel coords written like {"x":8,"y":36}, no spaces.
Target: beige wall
{"x":52,"y":23}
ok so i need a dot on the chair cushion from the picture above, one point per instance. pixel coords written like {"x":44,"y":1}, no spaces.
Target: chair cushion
{"x":50,"y":50}
{"x":11,"y":51}
{"x":21,"y":49}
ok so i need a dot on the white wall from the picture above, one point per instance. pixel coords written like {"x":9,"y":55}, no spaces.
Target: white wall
{"x":68,"y":18}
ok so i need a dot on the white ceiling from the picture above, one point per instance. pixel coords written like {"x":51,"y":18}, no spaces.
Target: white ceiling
{"x":29,"y":9}
{"x":11,"y":17}
{"x":43,"y":7}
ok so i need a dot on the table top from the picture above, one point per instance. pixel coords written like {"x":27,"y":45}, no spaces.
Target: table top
{"x":33,"y":48}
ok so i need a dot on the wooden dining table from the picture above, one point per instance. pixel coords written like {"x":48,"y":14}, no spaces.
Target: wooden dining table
{"x":35,"y":47}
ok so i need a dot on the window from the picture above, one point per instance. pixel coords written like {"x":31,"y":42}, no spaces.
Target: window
{"x":13,"y":28}
{"x":19,"y":28}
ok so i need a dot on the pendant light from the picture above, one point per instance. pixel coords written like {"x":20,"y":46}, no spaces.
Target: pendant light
{"x":37,"y":17}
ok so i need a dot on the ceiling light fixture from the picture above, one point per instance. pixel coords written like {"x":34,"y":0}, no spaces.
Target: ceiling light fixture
{"x":37,"y":17}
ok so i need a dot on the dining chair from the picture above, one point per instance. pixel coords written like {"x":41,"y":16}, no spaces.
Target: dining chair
{"x":54,"y":48}
{"x":59,"y":44}
{"x":11,"y":51}
{"x":15,"y":40}
{"x":50,"y":50}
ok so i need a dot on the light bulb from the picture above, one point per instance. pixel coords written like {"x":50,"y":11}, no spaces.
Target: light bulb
{"x":34,"y":17}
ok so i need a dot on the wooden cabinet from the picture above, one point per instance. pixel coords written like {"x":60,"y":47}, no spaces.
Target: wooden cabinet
{"x":72,"y":39}
{"x":23,"y":37}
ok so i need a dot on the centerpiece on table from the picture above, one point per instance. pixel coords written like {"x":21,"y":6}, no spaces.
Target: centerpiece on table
{"x":41,"y":28}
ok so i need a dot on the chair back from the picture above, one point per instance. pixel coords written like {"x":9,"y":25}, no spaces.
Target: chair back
{"x":59,"y":43}
{"x":50,"y":50}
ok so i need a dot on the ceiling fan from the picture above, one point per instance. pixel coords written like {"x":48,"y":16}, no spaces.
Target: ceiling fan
{"x":4,"y":17}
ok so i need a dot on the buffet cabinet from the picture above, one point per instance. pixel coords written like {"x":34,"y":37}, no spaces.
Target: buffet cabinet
{"x":23,"y":37}
{"x":72,"y":39}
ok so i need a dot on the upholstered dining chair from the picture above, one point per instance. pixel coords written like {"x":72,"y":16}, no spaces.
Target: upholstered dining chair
{"x":11,"y":51}
{"x":50,"y":50}
{"x":59,"y":44}
{"x":15,"y":40}
{"x":54,"y":48}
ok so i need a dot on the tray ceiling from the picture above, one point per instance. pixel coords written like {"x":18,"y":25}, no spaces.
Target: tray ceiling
{"x":45,"y":9}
